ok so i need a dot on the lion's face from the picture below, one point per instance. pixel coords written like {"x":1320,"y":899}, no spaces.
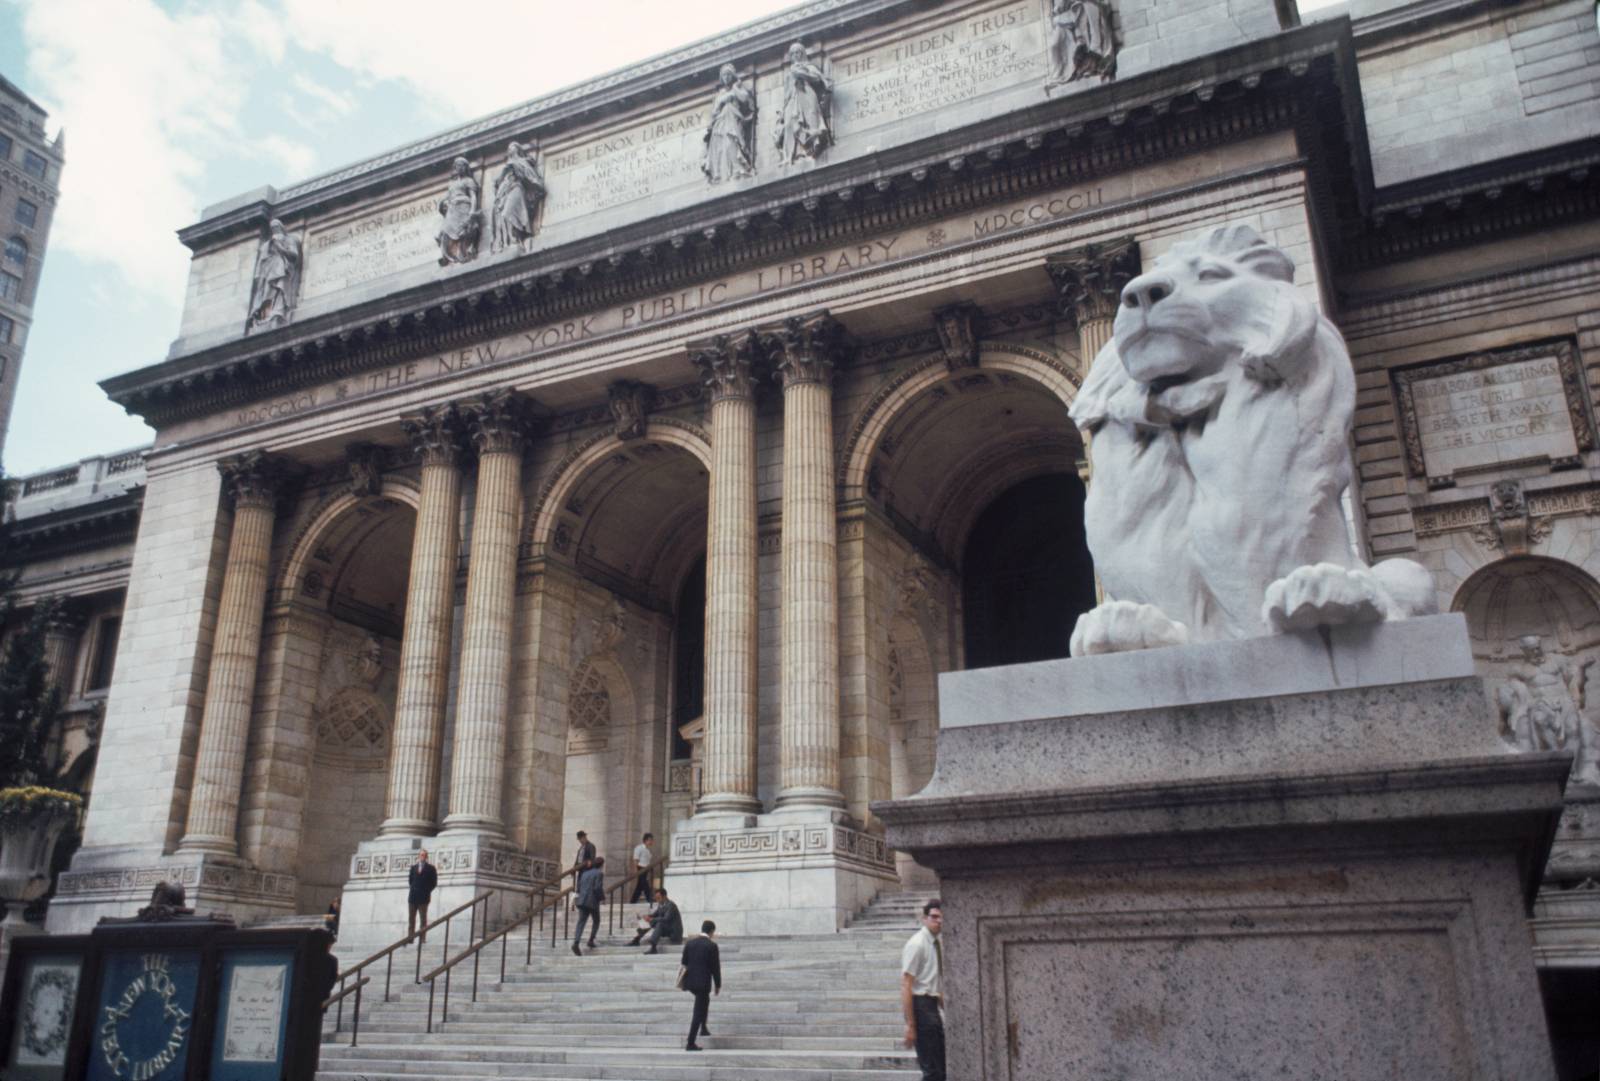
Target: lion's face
{"x":1191,"y":315}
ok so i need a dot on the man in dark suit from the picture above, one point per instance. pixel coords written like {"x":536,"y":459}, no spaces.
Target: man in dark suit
{"x":585,"y":858}
{"x":420,"y":883}
{"x":702,"y":971}
{"x":665,"y":922}
{"x":588,"y":897}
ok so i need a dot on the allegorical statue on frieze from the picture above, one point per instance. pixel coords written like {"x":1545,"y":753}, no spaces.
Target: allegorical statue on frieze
{"x":1081,"y":43}
{"x":463,"y":218}
{"x":519,"y":191}
{"x":805,"y":123}
{"x":276,"y":286}
{"x":730,"y":152}
{"x":1220,"y":413}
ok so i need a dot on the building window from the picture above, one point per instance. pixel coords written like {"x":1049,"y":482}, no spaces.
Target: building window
{"x":6,"y":328}
{"x":5,"y":148}
{"x":34,"y":164}
{"x":10,"y":286}
{"x":105,"y":653}
{"x":17,"y":252}
{"x":27,"y":213}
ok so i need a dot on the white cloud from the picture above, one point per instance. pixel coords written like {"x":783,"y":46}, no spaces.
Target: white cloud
{"x":297,"y":159}
{"x":334,"y":104}
{"x":144,"y":95}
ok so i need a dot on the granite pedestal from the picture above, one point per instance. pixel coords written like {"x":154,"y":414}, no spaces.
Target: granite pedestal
{"x":1304,"y":856}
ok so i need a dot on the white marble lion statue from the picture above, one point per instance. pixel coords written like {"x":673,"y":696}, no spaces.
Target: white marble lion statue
{"x":1220,"y":416}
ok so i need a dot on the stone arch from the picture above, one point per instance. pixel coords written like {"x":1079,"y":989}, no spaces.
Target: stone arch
{"x":323,"y":518}
{"x":1040,"y":364}
{"x":669,"y":431}
{"x":601,"y":793}
{"x":1529,"y":595}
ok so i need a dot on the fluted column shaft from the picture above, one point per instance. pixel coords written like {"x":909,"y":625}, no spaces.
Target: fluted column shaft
{"x":60,"y":636}
{"x":414,"y":764}
{"x":809,"y":665}
{"x":498,"y":426}
{"x":251,"y":480}
{"x":729,"y":770}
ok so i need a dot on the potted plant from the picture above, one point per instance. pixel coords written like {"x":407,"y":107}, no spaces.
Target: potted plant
{"x":31,"y":820}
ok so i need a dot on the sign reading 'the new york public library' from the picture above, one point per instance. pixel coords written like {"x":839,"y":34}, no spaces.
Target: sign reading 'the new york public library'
{"x":1477,"y":413}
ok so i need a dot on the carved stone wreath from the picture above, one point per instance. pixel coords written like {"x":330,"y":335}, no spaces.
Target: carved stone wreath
{"x":45,"y":1036}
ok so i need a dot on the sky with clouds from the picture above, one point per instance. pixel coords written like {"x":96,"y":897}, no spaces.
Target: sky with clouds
{"x":171,"y":106}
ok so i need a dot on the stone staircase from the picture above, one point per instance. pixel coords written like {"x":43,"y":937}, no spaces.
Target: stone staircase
{"x":793,"y":1008}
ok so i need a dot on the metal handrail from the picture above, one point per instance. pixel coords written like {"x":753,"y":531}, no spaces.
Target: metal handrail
{"x":503,"y":936}
{"x":420,"y":938}
{"x":614,"y":893}
{"x":338,"y":1016}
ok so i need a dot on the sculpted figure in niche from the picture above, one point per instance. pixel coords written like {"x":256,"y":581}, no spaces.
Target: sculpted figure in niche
{"x":730,"y":136}
{"x":1541,"y":705}
{"x":805,"y":124}
{"x":277,"y":279}
{"x":518,"y":193}
{"x":1220,"y":412}
{"x":463,"y":219}
{"x":1081,"y":45}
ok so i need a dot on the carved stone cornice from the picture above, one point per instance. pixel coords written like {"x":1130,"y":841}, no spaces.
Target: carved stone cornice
{"x":729,"y":364}
{"x":804,"y":348}
{"x":253,"y":479}
{"x":1089,"y":280}
{"x":435,"y":434}
{"x":630,"y":403}
{"x":957,"y":327}
{"x":499,"y":422}
{"x":365,"y":463}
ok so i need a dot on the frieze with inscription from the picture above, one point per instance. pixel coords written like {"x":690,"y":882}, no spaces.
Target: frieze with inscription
{"x":828,"y":265}
{"x":355,"y":251}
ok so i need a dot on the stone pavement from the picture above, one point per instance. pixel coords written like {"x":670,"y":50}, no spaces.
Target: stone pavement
{"x":793,"y":1008}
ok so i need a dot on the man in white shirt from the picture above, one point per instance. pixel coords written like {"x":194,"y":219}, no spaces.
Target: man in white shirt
{"x":643,"y":855}
{"x":922,"y":992}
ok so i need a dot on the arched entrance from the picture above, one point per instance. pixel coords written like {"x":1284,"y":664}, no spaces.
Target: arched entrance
{"x":331,"y":668}
{"x":622,"y":528}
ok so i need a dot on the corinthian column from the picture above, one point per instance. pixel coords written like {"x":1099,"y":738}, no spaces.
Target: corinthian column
{"x":251,"y":482}
{"x":498,"y":424}
{"x":413,"y":798}
{"x":61,"y":636}
{"x":729,"y":773}
{"x":804,"y":351}
{"x":1089,"y":284}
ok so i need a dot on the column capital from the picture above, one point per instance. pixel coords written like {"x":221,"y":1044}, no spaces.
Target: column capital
{"x":435,"y":434}
{"x":1089,"y":280}
{"x":630,"y":402}
{"x":253,"y":479}
{"x":728,"y":364}
{"x":66,"y":617}
{"x":499,"y":422}
{"x":805,"y":348}
{"x":957,"y":327}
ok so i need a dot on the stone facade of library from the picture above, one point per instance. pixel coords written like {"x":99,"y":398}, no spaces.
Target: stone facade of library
{"x":635,"y":459}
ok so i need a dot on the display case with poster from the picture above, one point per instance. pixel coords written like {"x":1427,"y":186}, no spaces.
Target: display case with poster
{"x":268,"y":1017}
{"x":41,"y":1002}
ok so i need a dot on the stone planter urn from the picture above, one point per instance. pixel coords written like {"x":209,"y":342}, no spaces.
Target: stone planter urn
{"x":31,"y":821}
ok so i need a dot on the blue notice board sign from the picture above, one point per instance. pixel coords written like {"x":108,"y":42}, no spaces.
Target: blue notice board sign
{"x":144,"y":1015}
{"x":252,"y":1014}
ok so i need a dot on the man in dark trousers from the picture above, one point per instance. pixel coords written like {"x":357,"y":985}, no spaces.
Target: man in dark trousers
{"x":702,"y":971}
{"x":589,"y":896}
{"x":665,"y":922}
{"x":922,"y":992}
{"x":585,"y":858}
{"x":420,"y":882}
{"x":643,"y":857}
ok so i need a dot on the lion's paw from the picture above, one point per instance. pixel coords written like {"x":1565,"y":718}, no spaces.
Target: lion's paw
{"x":1322,"y":595}
{"x":1118,"y":626}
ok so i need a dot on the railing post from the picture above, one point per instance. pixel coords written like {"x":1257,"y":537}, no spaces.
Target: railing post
{"x":388,"y":973}
{"x":431,"y":985}
{"x":355,"y":1029}
{"x":475,"y":958}
{"x":338,"y":1014}
{"x":444,"y":1011}
{"x":418,"y":977}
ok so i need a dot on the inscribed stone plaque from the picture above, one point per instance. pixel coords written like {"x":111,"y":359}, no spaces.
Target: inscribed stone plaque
{"x":1491,"y":409}
{"x":640,"y":161}
{"x":358,"y":250}
{"x":43,"y":1024}
{"x":940,"y":66}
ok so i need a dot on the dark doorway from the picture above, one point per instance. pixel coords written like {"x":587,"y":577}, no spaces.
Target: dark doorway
{"x":688,"y":655}
{"x":1026,"y":574}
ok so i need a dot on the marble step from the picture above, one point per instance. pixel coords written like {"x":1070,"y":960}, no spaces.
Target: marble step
{"x":713,"y":1062}
{"x":622,"y":1029}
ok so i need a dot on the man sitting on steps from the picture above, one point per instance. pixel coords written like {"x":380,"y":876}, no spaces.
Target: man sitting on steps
{"x":665,"y":922}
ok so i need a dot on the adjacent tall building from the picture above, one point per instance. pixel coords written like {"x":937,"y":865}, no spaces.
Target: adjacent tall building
{"x":30,"y":178}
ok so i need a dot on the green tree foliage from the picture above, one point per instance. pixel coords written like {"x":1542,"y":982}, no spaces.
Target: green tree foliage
{"x":29,"y":700}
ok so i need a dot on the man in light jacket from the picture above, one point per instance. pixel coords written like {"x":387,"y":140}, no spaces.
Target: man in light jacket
{"x":588,"y":897}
